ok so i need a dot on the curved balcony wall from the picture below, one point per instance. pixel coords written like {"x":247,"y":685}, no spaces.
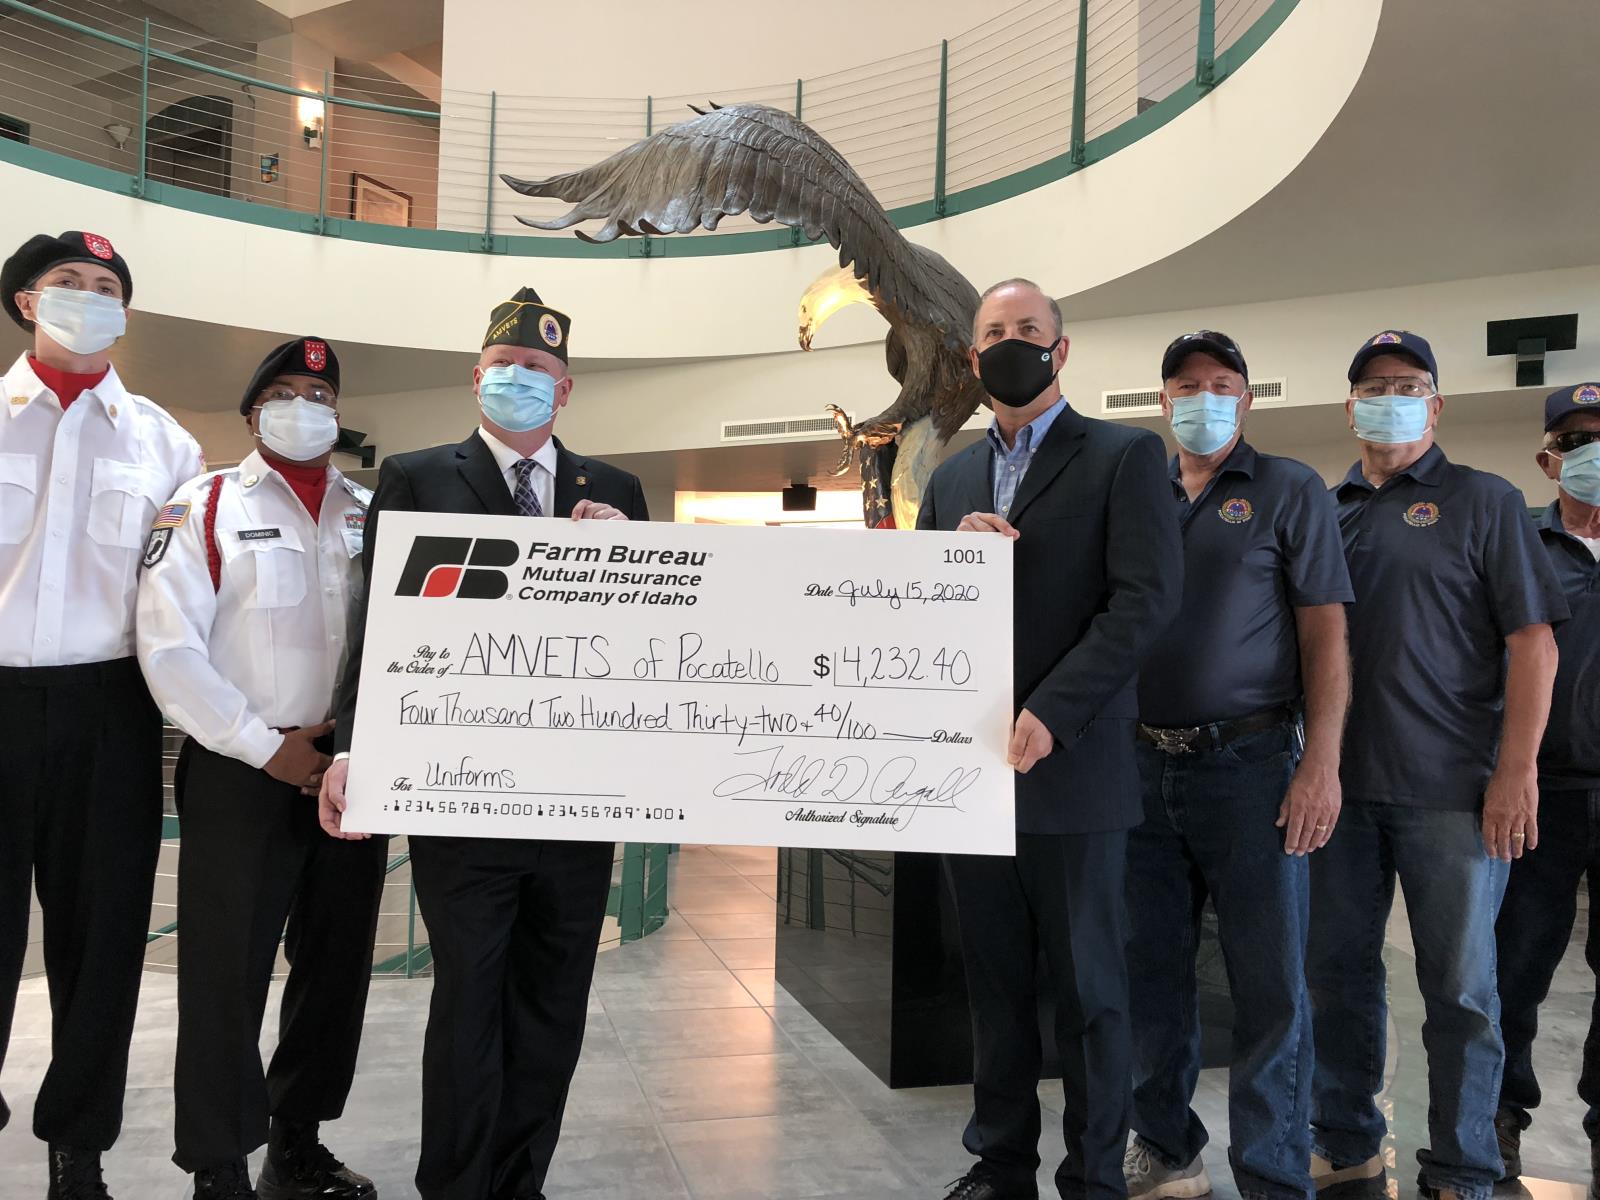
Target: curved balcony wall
{"x":1148,"y":85}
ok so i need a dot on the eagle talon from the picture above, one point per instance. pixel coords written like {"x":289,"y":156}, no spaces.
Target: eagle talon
{"x":870,"y":435}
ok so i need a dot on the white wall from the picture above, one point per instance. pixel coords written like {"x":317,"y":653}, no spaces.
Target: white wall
{"x":638,"y":48}
{"x":1308,"y":343}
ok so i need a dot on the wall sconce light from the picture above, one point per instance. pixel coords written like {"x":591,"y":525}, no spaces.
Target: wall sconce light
{"x":118,"y":133}
{"x":310,"y":110}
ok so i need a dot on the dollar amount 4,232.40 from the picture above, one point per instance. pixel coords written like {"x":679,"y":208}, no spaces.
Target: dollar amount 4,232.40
{"x":894,"y":666}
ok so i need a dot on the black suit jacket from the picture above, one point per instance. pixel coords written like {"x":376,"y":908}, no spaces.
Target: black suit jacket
{"x":466,"y":479}
{"x":1097,"y":575}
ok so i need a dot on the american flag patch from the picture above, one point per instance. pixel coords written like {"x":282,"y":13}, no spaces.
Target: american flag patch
{"x":172,"y":516}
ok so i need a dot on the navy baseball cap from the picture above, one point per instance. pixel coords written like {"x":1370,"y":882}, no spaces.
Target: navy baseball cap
{"x":1395,"y":341}
{"x":1203,"y":341}
{"x":1562,"y":403}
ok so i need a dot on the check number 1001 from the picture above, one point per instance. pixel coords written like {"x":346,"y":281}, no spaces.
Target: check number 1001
{"x":963,"y":556}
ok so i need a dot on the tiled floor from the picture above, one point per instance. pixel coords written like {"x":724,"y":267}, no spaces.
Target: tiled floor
{"x":702,"y":1079}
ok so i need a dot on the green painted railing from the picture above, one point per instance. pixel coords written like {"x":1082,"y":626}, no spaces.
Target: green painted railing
{"x":1081,"y":144}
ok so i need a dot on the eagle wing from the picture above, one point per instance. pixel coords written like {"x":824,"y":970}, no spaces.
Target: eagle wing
{"x":751,"y":158}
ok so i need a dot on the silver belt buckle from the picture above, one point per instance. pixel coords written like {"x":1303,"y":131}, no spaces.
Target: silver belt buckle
{"x":1175,"y":741}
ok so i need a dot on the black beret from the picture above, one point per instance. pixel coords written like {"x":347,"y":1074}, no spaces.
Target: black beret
{"x":525,"y":320}
{"x":41,"y":252}
{"x":303,"y":356}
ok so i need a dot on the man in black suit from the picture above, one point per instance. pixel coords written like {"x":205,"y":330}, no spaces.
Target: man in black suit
{"x":1097,"y":577}
{"x":513,"y":925}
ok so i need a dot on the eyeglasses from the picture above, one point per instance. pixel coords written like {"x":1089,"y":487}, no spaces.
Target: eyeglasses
{"x":316,"y":395}
{"x":1573,"y":439}
{"x":1374,"y":386}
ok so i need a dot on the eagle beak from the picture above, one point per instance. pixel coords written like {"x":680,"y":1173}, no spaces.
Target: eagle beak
{"x":832,"y":290}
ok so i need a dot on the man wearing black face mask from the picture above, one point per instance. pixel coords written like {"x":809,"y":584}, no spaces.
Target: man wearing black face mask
{"x":1098,"y":576}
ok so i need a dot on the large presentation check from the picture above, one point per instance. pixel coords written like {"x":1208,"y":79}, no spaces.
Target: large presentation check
{"x":622,"y":681}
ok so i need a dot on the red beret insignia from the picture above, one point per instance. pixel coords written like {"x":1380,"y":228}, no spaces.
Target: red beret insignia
{"x":98,"y":246}
{"x":316,"y":354}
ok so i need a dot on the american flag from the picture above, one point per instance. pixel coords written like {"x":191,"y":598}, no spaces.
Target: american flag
{"x":171,"y":516}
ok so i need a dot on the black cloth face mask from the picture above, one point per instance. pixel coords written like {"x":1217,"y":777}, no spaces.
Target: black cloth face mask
{"x":1016,"y":372}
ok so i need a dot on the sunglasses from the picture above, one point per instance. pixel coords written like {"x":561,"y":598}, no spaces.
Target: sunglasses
{"x":1573,"y":439}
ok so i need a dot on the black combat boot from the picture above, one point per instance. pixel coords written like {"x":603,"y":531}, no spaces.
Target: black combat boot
{"x":300,"y":1167}
{"x":75,"y":1175}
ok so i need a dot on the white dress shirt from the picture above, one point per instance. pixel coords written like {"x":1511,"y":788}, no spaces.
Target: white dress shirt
{"x":231,"y":667}
{"x":78,"y":490}
{"x":543,"y":478}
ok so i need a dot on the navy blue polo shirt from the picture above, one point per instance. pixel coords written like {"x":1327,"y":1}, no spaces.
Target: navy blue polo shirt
{"x":1260,"y":541}
{"x":1570,"y":755}
{"x":1446,"y":564}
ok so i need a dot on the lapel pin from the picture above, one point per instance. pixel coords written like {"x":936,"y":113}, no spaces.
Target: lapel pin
{"x":583,"y":481}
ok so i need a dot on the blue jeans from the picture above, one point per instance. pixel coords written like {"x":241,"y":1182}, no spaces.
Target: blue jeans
{"x":1453,"y":891}
{"x":1535,"y":923}
{"x":1208,"y":831}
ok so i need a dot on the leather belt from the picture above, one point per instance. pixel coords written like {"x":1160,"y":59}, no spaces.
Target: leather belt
{"x":1189,"y":739}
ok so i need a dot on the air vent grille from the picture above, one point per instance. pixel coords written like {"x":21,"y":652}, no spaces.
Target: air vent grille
{"x":777,"y":428}
{"x":1148,"y":400}
{"x":1131,"y":400}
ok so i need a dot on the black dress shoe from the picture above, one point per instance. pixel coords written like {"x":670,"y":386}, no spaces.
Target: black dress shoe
{"x":1508,"y":1132}
{"x":230,"y":1181}
{"x":980,"y":1184}
{"x":300,"y":1167}
{"x":75,"y":1175}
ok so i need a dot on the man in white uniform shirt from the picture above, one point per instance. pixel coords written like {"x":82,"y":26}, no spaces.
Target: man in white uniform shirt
{"x":84,"y":464}
{"x":251,"y":581}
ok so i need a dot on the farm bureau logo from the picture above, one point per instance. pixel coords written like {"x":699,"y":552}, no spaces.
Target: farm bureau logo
{"x":466,"y":568}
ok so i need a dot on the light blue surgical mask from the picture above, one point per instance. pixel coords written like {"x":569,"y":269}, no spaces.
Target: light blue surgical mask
{"x":1580,"y":474}
{"x":1392,"y":420}
{"x":1205,"y":422}
{"x":517,"y":399}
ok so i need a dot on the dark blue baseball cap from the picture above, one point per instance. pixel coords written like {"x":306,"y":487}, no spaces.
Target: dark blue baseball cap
{"x":1203,"y":341}
{"x":1395,"y":341}
{"x":1563,"y":402}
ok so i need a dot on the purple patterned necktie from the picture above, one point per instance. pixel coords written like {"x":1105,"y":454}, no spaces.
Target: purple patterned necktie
{"x":525,"y":498}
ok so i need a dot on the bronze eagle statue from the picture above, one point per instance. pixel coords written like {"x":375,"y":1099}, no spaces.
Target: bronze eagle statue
{"x":738,"y":158}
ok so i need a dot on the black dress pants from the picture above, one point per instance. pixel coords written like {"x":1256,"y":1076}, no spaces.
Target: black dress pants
{"x":252,"y":858}
{"x":1062,"y":894}
{"x":80,"y":816}
{"x":513,"y":927}
{"x":1535,"y":925}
